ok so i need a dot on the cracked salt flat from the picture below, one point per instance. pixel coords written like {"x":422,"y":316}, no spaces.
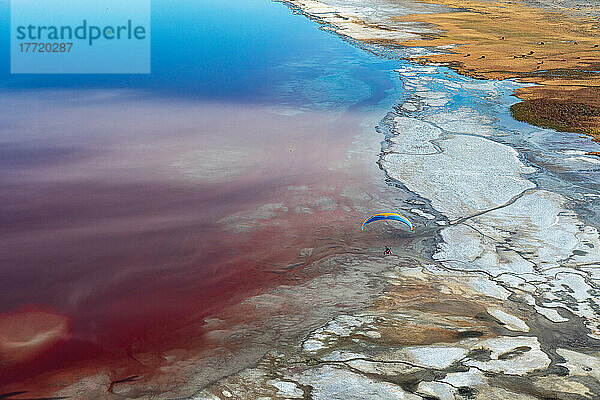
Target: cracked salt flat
{"x":580,"y":364}
{"x":503,"y":226}
{"x":464,"y":120}
{"x":538,"y":228}
{"x":440,"y":390}
{"x":341,"y":326}
{"x":492,"y":179}
{"x":422,"y":213}
{"x":488,"y":287}
{"x":465,"y":248}
{"x":382,"y":368}
{"x":432,"y":357}
{"x":473,"y":378}
{"x":287,"y":389}
{"x":331,"y":383}
{"x":508,"y":355}
{"x":539,"y":223}
{"x":413,"y":137}
{"x":512,"y":355}
{"x":510,"y":321}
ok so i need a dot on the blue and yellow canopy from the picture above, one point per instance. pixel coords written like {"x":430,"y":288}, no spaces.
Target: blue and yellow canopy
{"x":387,"y":216}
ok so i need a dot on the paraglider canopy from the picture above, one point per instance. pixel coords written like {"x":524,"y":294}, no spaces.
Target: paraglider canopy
{"x":387,"y":216}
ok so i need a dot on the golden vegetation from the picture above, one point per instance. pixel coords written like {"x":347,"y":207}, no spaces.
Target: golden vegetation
{"x":499,"y":40}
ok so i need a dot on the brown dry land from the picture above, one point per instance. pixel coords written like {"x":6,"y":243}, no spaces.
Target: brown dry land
{"x":555,"y":49}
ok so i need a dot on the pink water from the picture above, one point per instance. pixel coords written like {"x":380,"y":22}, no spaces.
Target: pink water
{"x":120,"y":240}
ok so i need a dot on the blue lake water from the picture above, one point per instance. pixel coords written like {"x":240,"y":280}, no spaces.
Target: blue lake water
{"x":234,"y":50}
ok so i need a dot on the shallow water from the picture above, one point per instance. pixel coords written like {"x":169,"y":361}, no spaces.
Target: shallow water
{"x":136,"y":206}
